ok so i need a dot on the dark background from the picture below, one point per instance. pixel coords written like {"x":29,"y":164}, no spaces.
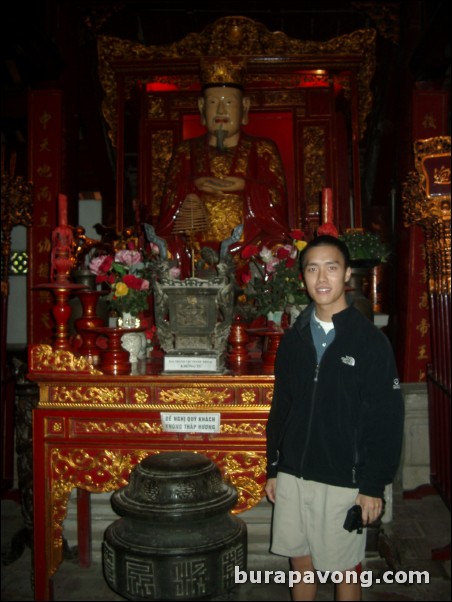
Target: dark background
{"x":51,"y":43}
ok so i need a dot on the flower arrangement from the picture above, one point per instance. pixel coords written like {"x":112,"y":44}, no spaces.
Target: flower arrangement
{"x":270,"y":278}
{"x":365,"y":246}
{"x":124,"y":273}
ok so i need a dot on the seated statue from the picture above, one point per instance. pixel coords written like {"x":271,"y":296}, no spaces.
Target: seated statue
{"x":239,"y":178}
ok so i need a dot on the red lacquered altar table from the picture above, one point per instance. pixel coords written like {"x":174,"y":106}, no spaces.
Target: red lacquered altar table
{"x":90,"y":429}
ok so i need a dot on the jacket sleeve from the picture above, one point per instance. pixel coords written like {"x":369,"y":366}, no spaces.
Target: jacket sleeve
{"x":381,"y":419}
{"x":278,"y":412}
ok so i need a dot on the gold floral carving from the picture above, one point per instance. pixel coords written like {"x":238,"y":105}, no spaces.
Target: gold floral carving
{"x":287,"y":98}
{"x":156,"y":107}
{"x":246,"y":471}
{"x":16,"y":204}
{"x":314,"y":165}
{"x":432,"y":211}
{"x":141,"y":396}
{"x":186,"y":101}
{"x":243,"y":428}
{"x":194,"y":396}
{"x":95,"y":471}
{"x":220,"y":39}
{"x":81,"y":396}
{"x":122,"y":427}
{"x":162,"y":148}
{"x":43,"y":358}
{"x":248,"y":397}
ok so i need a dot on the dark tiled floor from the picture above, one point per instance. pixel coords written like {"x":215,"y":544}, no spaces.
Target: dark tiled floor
{"x":418,"y":526}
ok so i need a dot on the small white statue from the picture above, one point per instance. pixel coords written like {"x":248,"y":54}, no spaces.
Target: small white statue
{"x":135,"y":344}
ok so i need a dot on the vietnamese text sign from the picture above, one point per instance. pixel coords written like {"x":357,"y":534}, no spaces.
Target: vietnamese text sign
{"x":190,"y":422}
{"x":189,"y":363}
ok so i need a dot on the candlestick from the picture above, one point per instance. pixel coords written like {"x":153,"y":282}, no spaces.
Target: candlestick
{"x":62,"y":210}
{"x":352,"y":212}
{"x":327,"y":206}
{"x":61,"y":260}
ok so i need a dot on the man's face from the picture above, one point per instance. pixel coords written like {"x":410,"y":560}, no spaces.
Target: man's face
{"x":225,"y":109}
{"x":325,"y":277}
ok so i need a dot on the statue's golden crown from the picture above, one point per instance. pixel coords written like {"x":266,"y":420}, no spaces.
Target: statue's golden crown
{"x":223,"y":72}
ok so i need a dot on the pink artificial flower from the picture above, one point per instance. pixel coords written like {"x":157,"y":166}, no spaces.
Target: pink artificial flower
{"x":271,"y":264}
{"x":128,"y":257}
{"x":144,"y":285}
{"x":101,"y":264}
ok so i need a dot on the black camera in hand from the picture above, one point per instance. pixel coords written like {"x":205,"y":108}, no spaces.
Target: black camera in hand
{"x":354,"y":519}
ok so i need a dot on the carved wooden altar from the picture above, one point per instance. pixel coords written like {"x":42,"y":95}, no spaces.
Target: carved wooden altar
{"x":311,"y":98}
{"x":89,"y":430}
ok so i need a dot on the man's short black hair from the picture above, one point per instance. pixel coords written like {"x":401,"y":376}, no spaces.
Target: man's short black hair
{"x":323,"y":241}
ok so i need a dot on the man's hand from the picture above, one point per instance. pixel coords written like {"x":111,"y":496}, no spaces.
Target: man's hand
{"x":270,"y":489}
{"x":371,"y":507}
{"x":211,"y":184}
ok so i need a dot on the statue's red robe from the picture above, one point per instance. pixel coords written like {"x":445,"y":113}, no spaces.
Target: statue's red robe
{"x":261,"y":206}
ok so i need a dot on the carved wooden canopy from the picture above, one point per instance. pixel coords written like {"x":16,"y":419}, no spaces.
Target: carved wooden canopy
{"x":272,"y":56}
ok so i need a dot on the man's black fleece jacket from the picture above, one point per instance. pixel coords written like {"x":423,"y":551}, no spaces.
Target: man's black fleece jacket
{"x":339,"y":422}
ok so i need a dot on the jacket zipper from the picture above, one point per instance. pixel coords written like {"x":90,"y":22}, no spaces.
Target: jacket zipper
{"x":355,"y":458}
{"x":311,"y":415}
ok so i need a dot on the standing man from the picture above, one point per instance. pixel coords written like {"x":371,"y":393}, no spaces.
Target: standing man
{"x":335,"y":427}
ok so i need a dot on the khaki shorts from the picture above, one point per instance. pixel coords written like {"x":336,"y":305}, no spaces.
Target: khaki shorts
{"x":308,"y":520}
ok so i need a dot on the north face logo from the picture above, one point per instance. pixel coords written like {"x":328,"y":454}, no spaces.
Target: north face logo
{"x":350,"y":361}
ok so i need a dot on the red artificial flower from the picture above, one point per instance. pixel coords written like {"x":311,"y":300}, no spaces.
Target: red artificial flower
{"x":250,"y":251}
{"x":246,"y":277}
{"x":283,"y":252}
{"x":132,"y":281}
{"x":327,"y":229}
{"x":108,"y":278}
{"x":106,"y":264}
{"x":297,"y":234}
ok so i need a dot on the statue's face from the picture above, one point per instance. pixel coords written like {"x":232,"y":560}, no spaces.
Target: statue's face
{"x":224,"y":109}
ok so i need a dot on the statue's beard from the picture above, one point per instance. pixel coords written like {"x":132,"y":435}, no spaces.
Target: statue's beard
{"x":221,"y":136}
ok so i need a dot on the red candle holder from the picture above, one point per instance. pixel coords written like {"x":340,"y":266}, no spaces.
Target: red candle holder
{"x":87,"y":322}
{"x":115,"y":359}
{"x":61,"y":310}
{"x":272,"y":339}
{"x":238,"y":339}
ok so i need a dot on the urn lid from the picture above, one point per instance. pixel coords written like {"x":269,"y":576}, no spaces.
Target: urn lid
{"x":169,"y":484}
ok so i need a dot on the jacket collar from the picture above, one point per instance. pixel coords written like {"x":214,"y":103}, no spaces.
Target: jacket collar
{"x":338,"y":319}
